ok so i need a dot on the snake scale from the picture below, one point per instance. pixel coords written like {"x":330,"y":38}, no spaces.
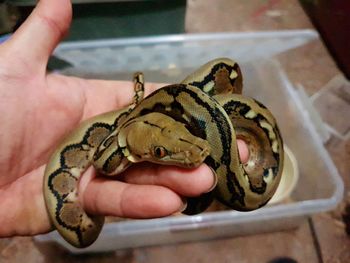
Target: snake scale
{"x":185,"y":125}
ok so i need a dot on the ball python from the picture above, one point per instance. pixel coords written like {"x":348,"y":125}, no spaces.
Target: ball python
{"x":185,"y":124}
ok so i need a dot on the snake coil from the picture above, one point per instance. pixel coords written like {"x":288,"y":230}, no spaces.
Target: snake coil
{"x":186,"y":124}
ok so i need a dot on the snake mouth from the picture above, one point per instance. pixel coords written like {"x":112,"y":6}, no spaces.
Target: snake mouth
{"x":196,"y":153}
{"x":189,"y":159}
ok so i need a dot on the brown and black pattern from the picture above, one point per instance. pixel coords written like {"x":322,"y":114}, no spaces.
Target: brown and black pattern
{"x":139,"y":87}
{"x":66,"y":166}
{"x":63,"y":182}
{"x":219,"y":73}
{"x":205,"y":102}
{"x":216,"y":122}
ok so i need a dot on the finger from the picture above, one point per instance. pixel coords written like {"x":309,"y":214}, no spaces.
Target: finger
{"x":146,"y":193}
{"x":22,"y":208}
{"x":185,"y":182}
{"x":115,"y":198}
{"x":37,"y":37}
{"x":243,"y":150}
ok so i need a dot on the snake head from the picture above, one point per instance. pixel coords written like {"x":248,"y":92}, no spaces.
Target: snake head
{"x":158,"y":138}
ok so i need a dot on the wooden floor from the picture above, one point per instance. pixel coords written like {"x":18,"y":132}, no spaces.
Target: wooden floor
{"x":322,"y":238}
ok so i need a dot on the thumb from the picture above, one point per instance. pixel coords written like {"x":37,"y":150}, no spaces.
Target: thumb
{"x":37,"y":37}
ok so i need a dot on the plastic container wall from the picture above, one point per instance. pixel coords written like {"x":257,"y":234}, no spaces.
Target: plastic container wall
{"x":169,"y":59}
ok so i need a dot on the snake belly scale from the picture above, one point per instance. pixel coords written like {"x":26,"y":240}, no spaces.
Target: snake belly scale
{"x":186,"y":124}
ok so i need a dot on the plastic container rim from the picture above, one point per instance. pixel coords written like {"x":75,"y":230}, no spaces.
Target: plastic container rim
{"x":181,"y":38}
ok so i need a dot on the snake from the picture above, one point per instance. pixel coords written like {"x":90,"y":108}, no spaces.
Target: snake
{"x":195,"y":121}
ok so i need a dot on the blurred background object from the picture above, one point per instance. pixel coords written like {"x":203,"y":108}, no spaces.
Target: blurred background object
{"x":332,"y":20}
{"x":9,"y":16}
{"x":125,"y":18}
{"x":142,"y":18}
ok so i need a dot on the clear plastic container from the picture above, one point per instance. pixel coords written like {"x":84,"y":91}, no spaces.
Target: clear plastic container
{"x":169,"y":59}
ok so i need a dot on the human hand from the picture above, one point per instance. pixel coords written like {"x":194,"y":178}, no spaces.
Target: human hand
{"x":38,"y":109}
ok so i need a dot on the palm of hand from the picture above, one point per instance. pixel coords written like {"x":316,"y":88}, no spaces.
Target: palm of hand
{"x":38,"y":109}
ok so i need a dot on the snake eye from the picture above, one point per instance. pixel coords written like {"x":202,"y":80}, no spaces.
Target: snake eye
{"x":159,"y":152}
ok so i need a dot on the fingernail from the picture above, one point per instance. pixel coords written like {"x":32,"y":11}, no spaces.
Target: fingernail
{"x":215,"y":181}
{"x":184,"y":205}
